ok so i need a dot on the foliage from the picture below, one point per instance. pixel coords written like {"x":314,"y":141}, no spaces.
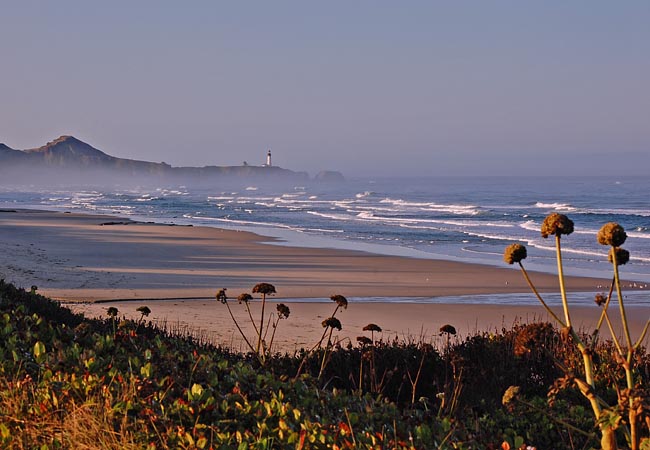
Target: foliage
{"x":71,"y":382}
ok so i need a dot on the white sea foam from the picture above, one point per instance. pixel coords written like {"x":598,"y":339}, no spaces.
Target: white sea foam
{"x":555,"y":206}
{"x":436,"y":207}
{"x":332,"y":216}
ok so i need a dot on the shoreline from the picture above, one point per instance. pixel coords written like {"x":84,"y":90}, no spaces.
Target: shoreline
{"x":82,"y":258}
{"x":72,"y":256}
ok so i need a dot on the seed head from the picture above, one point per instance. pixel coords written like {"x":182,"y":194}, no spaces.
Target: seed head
{"x":332,"y":322}
{"x":221,"y":296}
{"x":622,"y":255}
{"x":144,"y":310}
{"x":264,"y":288}
{"x":515,"y":253}
{"x":283,"y":311}
{"x":448,"y":329}
{"x":244,"y":297}
{"x":612,"y":234}
{"x":600,"y":299}
{"x":372,"y":327}
{"x":112,"y":312}
{"x":340,"y":300}
{"x":557,"y":224}
{"x":363,"y":340}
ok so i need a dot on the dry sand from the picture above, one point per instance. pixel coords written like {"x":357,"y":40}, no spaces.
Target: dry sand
{"x":210,"y":320}
{"x":78,"y":257}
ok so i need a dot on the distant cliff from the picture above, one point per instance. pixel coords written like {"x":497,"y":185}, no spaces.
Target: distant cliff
{"x":72,"y":157}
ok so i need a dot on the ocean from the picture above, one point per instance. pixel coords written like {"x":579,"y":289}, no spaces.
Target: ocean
{"x":462,"y":219}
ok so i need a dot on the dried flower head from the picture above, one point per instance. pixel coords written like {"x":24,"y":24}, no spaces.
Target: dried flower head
{"x":612,"y":234}
{"x":600,"y":299}
{"x":244,"y":298}
{"x":112,"y":312}
{"x":340,"y":300}
{"x":264,"y":288}
{"x":144,"y":310}
{"x":363,"y":340}
{"x":510,"y":395}
{"x":514,"y":253}
{"x":622,"y":255}
{"x":332,"y":322}
{"x":557,"y":224}
{"x":372,"y":327}
{"x":448,"y":329}
{"x":221,"y":296}
{"x":532,"y":336}
{"x":283,"y":311}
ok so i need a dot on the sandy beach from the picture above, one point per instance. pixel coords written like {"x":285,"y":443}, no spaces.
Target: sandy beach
{"x":85,"y":258}
{"x":210,"y":320}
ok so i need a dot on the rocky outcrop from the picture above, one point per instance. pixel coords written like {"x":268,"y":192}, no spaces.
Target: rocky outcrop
{"x":329,"y":176}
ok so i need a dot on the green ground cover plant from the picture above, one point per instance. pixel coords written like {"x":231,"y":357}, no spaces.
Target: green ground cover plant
{"x":71,"y":382}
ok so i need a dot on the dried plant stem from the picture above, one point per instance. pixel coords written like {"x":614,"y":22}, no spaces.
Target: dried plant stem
{"x":629,"y":376}
{"x":588,"y":363}
{"x":560,"y":275}
{"x":327,"y":347}
{"x":250,"y":346}
{"x":250,"y":315}
{"x":539,"y":297}
{"x":275,"y":327}
{"x":414,"y":383}
{"x":617,"y":344}
{"x":587,"y":360}
{"x":261,"y":330}
{"x":617,"y":282}
{"x":317,"y":345}
{"x":643,"y":334}
{"x":609,"y":298}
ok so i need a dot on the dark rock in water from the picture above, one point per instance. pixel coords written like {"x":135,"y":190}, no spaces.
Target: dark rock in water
{"x":113,"y":223}
{"x":329,"y":176}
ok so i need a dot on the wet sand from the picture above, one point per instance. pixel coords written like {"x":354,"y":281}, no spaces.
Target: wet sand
{"x":86,"y":257}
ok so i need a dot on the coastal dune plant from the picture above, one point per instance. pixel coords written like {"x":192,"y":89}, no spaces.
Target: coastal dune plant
{"x":257,"y":344}
{"x":329,"y":325}
{"x":631,"y":410}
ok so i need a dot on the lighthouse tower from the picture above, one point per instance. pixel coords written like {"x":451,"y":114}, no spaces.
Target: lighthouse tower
{"x":268,"y":158}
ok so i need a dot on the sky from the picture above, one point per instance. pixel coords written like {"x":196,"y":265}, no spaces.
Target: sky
{"x":370,"y":88}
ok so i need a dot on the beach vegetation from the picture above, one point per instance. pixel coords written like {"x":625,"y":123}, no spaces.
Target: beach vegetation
{"x":67,"y":381}
{"x":257,"y":344}
{"x":614,"y":388}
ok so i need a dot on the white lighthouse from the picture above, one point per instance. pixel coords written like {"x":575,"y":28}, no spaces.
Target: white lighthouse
{"x":268,"y":158}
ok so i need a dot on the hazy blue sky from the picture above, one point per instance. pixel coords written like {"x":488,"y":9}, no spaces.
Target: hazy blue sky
{"x":365,"y":87}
